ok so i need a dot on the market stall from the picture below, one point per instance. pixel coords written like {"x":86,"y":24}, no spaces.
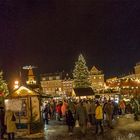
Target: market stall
{"x":25,"y":103}
{"x":83,"y":92}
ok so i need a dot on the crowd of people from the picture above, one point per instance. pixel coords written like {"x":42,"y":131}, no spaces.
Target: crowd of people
{"x":85,"y":112}
{"x":81,"y":113}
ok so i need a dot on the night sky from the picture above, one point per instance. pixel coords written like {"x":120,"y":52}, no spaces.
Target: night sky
{"x":50,"y":34}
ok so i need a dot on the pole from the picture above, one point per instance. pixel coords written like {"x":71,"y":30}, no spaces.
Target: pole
{"x":20,"y":75}
{"x":31,"y":114}
{"x":19,"y":117}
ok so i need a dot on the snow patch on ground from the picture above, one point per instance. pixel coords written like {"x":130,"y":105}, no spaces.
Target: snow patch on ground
{"x":129,"y":124}
{"x":36,"y":135}
{"x":126,"y":129}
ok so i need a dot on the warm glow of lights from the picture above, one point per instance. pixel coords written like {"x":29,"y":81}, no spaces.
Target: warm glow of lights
{"x":24,"y":88}
{"x":16,"y":82}
{"x":6,"y":100}
{"x":31,"y":82}
{"x":16,"y":86}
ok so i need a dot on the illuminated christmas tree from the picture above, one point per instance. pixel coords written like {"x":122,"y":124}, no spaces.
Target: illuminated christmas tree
{"x":3,"y":86}
{"x":81,"y":73}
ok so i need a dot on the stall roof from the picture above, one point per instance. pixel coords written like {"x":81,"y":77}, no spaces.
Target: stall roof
{"x":22,"y":91}
{"x":84,"y":91}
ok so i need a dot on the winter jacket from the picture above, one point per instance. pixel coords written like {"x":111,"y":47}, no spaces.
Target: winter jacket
{"x":93,"y":107}
{"x":109,"y":108}
{"x":46,"y":111}
{"x":11,"y":126}
{"x":58,"y":109}
{"x":64,"y":108}
{"x":81,"y":115}
{"x":88,"y":108}
{"x":122,"y":104}
{"x":99,"y":113}
{"x":72,"y":107}
{"x":2,"y":127}
{"x":69,"y":118}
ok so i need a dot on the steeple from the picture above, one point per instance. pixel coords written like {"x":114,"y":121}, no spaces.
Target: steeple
{"x":31,"y":78}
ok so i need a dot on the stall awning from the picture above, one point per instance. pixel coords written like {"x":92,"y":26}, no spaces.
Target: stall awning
{"x":84,"y":91}
{"x":23,"y":91}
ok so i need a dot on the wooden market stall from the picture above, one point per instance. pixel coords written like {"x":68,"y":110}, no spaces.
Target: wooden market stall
{"x":26,"y":105}
{"x":84,"y":92}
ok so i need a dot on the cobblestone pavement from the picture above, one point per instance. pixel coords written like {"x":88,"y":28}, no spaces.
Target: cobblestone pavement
{"x":118,"y":133}
{"x":125,"y":129}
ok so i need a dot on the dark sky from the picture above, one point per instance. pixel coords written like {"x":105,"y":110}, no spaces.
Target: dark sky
{"x":50,"y":34}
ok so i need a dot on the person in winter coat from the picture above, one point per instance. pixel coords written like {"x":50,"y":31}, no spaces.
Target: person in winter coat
{"x":46,"y":111}
{"x":98,"y":117}
{"x":122,"y":106}
{"x":58,"y":111}
{"x":109,"y":108}
{"x":70,"y":121}
{"x":10,"y":124}
{"x":82,"y":117}
{"x":71,"y":106}
{"x":2,"y":126}
{"x":88,"y":108}
{"x":93,"y":107}
{"x":64,"y":108}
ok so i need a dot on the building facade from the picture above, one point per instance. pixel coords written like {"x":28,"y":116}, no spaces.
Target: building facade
{"x":56,"y":84}
{"x":67,"y":85}
{"x":126,"y":84}
{"x":137,"y":70}
{"x":96,"y":78}
{"x":51,"y":83}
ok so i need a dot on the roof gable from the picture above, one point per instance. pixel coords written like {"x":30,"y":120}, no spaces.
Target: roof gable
{"x":23,"y":91}
{"x":94,"y":70}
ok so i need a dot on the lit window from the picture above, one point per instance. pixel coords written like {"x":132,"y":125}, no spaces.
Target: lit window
{"x":43,"y":78}
{"x":50,"y":78}
{"x":57,"y":77}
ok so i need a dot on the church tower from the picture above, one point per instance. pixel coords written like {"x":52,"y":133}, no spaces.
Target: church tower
{"x":31,"y":78}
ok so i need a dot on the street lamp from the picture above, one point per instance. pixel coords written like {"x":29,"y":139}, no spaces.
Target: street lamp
{"x":16,"y":84}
